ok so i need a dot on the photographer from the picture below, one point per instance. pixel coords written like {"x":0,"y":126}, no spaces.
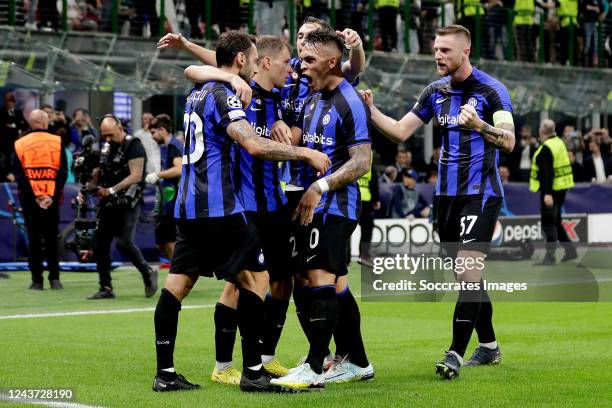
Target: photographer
{"x":168,"y":177}
{"x":120,"y":178}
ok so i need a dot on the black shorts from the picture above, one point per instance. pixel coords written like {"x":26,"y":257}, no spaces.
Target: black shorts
{"x":296,"y":233}
{"x":325,"y":243}
{"x":274,"y":231}
{"x":165,"y":229}
{"x":466,"y":222}
{"x":222,"y":246}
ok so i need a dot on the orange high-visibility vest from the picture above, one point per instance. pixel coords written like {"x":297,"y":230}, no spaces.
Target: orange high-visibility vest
{"x":40,"y":157}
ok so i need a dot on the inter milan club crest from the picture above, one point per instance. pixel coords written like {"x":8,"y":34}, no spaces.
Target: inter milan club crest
{"x":473,"y":102}
{"x":326,"y":119}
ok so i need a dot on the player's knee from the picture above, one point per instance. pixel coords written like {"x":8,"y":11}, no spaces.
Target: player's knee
{"x":179,"y":285}
{"x":341,"y":284}
{"x":256,"y":282}
{"x":229,"y":296}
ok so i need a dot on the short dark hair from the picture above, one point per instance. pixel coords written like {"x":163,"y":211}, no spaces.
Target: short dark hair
{"x":453,"y":30}
{"x":230,"y":44}
{"x":319,"y":36}
{"x":46,"y":105}
{"x":162,"y":121}
{"x":321,"y":23}
{"x":267,"y":44}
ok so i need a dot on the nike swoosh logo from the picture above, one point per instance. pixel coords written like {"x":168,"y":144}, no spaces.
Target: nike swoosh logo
{"x":255,"y":109}
{"x":289,"y":85}
{"x":317,"y":319}
{"x":228,"y":331}
{"x":306,"y":116}
{"x":441,"y":100}
{"x":309,"y":258}
{"x":465,"y":241}
{"x":463,"y":321}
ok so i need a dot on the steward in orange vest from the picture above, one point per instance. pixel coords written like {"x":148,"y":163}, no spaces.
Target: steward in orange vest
{"x":40,"y":167}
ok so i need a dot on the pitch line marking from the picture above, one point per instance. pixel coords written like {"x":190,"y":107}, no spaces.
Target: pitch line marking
{"x":95,"y":312}
{"x":57,"y":404}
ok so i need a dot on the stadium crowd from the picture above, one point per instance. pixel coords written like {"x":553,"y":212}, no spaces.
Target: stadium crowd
{"x":508,"y":29}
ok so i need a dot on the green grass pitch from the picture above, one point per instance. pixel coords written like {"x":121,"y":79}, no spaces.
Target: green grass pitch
{"x":554,"y":354}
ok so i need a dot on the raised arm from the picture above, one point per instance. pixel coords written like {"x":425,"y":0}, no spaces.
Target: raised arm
{"x":203,"y":73}
{"x":501,"y":134}
{"x":357,"y":61}
{"x":178,"y":42}
{"x":242,"y":132}
{"x":395,"y":130}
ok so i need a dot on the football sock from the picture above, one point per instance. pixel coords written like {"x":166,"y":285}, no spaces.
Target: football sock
{"x":301,"y":299}
{"x":226,"y":324}
{"x":492,"y":345}
{"x":347,"y":334}
{"x":484,"y":324}
{"x":464,"y":319}
{"x":166,"y":322}
{"x":322,"y":318}
{"x":251,"y":315}
{"x":220,"y":366}
{"x":276,"y":313}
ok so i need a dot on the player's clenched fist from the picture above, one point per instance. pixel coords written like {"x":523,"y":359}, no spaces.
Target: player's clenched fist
{"x":468,"y":118}
{"x":367,"y":96}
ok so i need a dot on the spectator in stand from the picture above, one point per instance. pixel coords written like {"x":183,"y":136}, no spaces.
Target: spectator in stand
{"x":145,"y":13}
{"x":359,"y":12}
{"x":80,"y":127}
{"x":523,"y":153}
{"x":429,"y":18}
{"x":432,"y":177}
{"x":590,"y":10}
{"x":504,"y":173}
{"x":543,"y":8}
{"x":551,"y":27}
{"x":12,"y":125}
{"x":195,"y":13}
{"x":567,"y":11}
{"x":403,"y":160}
{"x":389,"y":175}
{"x":577,"y":168}
{"x":449,"y":13}
{"x":495,"y":28}
{"x":406,"y":201}
{"x":574,"y":141}
{"x":467,"y":13}
{"x":387,"y":14}
{"x":597,"y":167}
{"x":270,"y":16}
{"x":150,"y":145}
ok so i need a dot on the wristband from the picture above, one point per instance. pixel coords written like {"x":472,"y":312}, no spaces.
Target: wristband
{"x":111,"y":191}
{"x":323,"y":185}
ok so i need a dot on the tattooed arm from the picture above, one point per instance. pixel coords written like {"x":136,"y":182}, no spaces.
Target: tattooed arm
{"x":501,"y":136}
{"x":262,"y":148}
{"x":357,"y":166}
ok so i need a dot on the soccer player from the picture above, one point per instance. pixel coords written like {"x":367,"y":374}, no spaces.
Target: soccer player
{"x":171,"y":150}
{"x":334,"y":120}
{"x":213,"y":234}
{"x":259,"y":187}
{"x":474,"y":113}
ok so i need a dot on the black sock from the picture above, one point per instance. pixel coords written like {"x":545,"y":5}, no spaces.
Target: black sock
{"x":302,"y":302}
{"x":464,"y":319}
{"x":226,"y":324}
{"x":484,"y":324}
{"x":347,"y":334}
{"x":251,"y":317}
{"x":166,"y":322}
{"x":322,"y":321}
{"x":276,"y":313}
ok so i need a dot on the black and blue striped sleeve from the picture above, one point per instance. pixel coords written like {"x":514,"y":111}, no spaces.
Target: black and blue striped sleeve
{"x":228,"y":107}
{"x":355,"y":117}
{"x":423,"y":107}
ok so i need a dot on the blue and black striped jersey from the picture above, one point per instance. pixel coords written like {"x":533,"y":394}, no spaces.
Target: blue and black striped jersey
{"x":468,"y":164}
{"x":258,"y":181}
{"x":332,"y":122}
{"x":207,"y":188}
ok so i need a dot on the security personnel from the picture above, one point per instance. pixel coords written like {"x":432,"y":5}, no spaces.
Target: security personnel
{"x":551,"y":174}
{"x":524,"y":12}
{"x":41,"y":170}
{"x":387,"y":14}
{"x":370,"y":202}
{"x":121,"y":180}
{"x":468,"y":11}
{"x":567,"y":11}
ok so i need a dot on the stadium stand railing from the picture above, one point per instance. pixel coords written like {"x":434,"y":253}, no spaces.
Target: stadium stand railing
{"x":498,"y":32}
